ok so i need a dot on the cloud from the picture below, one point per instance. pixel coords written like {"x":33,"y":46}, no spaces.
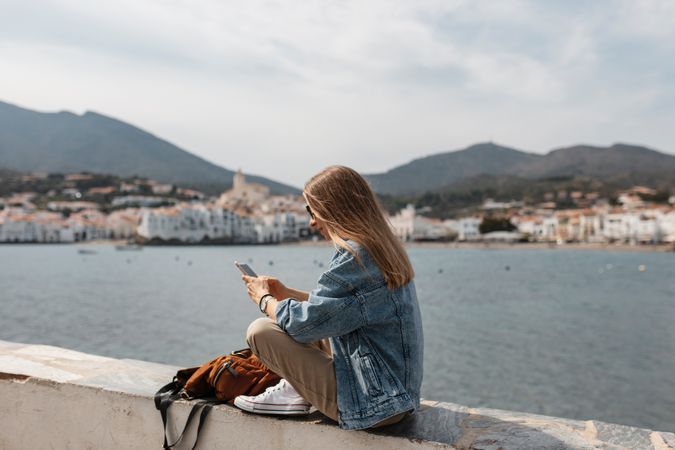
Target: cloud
{"x":370,"y":84}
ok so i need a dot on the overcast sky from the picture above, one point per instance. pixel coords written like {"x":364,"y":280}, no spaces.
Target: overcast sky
{"x":285,"y":88}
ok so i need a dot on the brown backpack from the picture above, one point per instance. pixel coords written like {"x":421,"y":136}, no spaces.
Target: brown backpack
{"x":217,"y":381}
{"x":227,"y":376}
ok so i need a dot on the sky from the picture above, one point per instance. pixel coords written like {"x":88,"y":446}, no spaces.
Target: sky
{"x":285,"y":88}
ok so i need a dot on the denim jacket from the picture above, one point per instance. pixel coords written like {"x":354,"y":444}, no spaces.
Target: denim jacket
{"x":375,"y":333}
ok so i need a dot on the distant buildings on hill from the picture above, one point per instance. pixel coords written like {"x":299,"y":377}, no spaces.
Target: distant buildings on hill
{"x":247,"y":214}
{"x":17,"y":225}
{"x":632,"y":221}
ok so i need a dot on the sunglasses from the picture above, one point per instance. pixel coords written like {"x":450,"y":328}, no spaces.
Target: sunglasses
{"x":309,"y":211}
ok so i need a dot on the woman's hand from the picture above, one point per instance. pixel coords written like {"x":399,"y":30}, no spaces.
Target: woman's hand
{"x":276,"y":287}
{"x":280,"y":291}
{"x":257,"y":287}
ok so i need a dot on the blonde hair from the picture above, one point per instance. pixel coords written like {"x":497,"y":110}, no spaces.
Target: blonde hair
{"x":343,"y":200}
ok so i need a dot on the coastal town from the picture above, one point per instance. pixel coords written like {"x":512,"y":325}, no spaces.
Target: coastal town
{"x":148,"y":212}
{"x":631,"y":220}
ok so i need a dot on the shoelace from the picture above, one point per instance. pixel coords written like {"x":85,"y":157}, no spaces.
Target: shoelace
{"x":274,"y":388}
{"x":281,"y":385}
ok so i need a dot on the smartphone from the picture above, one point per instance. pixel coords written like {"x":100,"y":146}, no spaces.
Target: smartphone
{"x":245,"y":269}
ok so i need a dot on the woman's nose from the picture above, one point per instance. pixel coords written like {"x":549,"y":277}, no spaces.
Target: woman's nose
{"x":312,"y":222}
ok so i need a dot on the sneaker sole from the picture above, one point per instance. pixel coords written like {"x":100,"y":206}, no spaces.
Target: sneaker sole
{"x":263,"y":408}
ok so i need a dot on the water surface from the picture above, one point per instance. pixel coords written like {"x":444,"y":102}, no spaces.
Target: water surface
{"x":572,"y":333}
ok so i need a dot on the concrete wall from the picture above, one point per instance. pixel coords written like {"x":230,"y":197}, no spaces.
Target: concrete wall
{"x":58,"y":398}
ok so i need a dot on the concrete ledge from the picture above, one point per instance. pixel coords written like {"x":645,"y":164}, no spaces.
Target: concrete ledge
{"x":57,"y":398}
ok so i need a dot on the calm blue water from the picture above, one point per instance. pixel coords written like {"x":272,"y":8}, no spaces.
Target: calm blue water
{"x":571,"y":333}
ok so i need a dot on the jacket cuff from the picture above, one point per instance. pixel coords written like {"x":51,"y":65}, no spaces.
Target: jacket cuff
{"x":281,"y":312}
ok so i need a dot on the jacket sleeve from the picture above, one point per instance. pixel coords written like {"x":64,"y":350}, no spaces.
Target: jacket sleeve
{"x":332,"y":309}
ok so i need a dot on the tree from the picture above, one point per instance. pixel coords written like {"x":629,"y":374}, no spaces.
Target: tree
{"x":491,"y":223}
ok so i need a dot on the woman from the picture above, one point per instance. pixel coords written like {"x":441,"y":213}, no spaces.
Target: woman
{"x":353,"y":346}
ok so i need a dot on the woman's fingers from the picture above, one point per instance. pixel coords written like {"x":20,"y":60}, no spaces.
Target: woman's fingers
{"x":257,"y":286}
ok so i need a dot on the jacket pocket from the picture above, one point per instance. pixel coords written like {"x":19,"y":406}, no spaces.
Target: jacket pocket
{"x":370,"y":376}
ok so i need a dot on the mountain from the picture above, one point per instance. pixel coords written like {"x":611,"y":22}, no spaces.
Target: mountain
{"x":435,"y":171}
{"x":619,"y":164}
{"x":598,"y":162}
{"x":65,"y":142}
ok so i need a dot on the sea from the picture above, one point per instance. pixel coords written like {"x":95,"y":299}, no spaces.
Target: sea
{"x":575,"y":333}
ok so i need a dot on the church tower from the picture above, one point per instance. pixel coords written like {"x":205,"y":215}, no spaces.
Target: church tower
{"x":239,"y":180}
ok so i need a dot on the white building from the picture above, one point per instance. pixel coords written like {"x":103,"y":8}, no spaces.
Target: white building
{"x":269,"y":228}
{"x":88,"y":225}
{"x":491,"y":205}
{"x":578,"y":225}
{"x":122,"y":224}
{"x":403,"y":223}
{"x":667,"y":227}
{"x":644,"y":226}
{"x":194,"y":223}
{"x":43,"y":226}
{"x":161,"y":189}
{"x":468,"y":229}
{"x":71,"y":206}
{"x":614,"y":226}
{"x":549,"y":229}
{"x":630,"y":201}
{"x":244,"y":229}
{"x":409,"y":226}
{"x":129,"y":187}
{"x":17,"y":229}
{"x":140,"y":201}
{"x":540,"y":228}
{"x":276,"y":227}
{"x":187,"y":223}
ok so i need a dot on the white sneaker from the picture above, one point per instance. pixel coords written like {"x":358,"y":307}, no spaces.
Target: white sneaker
{"x":279,"y":399}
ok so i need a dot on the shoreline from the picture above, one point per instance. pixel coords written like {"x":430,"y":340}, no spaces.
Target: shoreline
{"x":659,"y":248}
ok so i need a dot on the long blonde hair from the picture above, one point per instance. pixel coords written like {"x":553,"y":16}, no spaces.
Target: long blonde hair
{"x":343,"y":200}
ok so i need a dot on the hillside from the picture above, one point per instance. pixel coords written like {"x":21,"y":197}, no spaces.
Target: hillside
{"x":66,"y":142}
{"x":618,"y":165}
{"x":435,"y":171}
{"x":617,"y":161}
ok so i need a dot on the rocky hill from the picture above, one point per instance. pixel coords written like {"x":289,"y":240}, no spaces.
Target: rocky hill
{"x":65,"y":142}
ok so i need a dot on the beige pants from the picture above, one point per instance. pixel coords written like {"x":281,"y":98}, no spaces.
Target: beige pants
{"x":308,"y":367}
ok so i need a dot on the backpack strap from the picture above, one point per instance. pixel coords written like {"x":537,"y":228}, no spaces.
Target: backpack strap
{"x":206,"y":409}
{"x":165,"y":397}
{"x":201,"y":406}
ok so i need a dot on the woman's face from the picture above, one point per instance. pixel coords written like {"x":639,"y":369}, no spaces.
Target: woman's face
{"x":320,"y":226}
{"x":317,"y":223}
